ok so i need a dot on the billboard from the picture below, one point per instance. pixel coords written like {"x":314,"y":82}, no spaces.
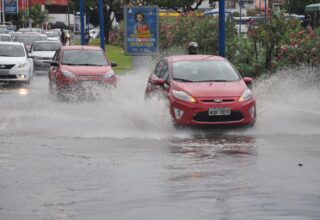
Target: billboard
{"x":11,"y":6}
{"x":141,"y":34}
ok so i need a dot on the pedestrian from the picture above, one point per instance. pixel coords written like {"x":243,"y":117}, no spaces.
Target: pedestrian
{"x":63,"y":37}
{"x":87,"y":37}
{"x":193,"y":48}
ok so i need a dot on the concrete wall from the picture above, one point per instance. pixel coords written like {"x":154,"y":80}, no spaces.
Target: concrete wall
{"x":61,"y":17}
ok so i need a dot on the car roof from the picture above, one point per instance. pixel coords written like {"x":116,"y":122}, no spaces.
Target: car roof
{"x":46,"y":41}
{"x":194,"y":58}
{"x":80,"y":47}
{"x":5,"y":35}
{"x":11,"y":43}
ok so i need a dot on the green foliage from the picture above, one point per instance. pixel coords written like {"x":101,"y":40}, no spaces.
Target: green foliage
{"x":37,"y":15}
{"x":298,"y":6}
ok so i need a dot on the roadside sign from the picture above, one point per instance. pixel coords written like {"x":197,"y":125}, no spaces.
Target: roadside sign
{"x":141,"y":35}
{"x":11,"y":6}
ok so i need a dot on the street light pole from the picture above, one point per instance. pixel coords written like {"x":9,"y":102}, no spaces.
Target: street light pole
{"x":240,"y":2}
{"x":265,"y":9}
{"x":30,"y":7}
{"x":101,"y":25}
{"x":222,"y":29}
{"x":82,"y":21}
{"x":3,"y":13}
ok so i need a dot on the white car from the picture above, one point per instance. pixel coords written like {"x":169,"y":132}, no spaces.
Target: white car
{"x":5,"y":37}
{"x":53,"y":35}
{"x":15,"y":65}
{"x":42,"y":52}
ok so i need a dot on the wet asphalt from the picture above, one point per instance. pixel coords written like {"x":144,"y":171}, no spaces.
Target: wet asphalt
{"x":118,"y":157}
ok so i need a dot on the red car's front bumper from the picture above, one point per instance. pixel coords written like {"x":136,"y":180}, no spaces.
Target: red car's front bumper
{"x":242,"y":113}
{"x":64,"y":83}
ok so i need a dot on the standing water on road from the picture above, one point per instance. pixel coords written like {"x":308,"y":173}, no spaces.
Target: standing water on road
{"x":119,"y":157}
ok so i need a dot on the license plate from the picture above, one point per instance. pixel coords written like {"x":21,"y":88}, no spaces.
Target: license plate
{"x":219,"y":111}
{"x":4,"y":72}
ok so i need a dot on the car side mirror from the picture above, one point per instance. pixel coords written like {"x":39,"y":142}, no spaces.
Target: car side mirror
{"x":158,"y":81}
{"x":248,"y":80}
{"x":54,"y":63}
{"x":113,"y":64}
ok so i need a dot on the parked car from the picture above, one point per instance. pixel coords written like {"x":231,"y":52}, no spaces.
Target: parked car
{"x":43,"y":51}
{"x":74,"y":65}
{"x":5,"y":37}
{"x":203,"y":90}
{"x":15,"y":65}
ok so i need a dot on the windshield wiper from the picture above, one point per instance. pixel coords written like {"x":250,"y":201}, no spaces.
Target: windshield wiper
{"x":182,"y":80}
{"x":70,"y":64}
{"x":88,"y":64}
{"x":213,"y":80}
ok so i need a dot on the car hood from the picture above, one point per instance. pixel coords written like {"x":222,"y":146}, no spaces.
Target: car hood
{"x":211,"y":89}
{"x":87,"y":70}
{"x":43,"y":53}
{"x":12,"y":60}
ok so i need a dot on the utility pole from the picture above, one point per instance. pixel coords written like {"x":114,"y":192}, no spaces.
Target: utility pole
{"x":82,"y":21}
{"x":265,"y":9}
{"x":101,"y":24}
{"x":3,"y":13}
{"x":222,"y":29}
{"x":30,"y":7}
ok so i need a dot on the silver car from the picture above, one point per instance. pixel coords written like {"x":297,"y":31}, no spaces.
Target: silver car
{"x":42,"y":52}
{"x":15,"y":65}
{"x":5,"y":37}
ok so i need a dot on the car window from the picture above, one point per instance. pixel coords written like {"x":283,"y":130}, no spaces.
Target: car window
{"x":164,"y":73}
{"x":158,"y":69}
{"x":56,"y":55}
{"x":204,"y":71}
{"x":46,"y":46}
{"x":7,"y":50}
{"x":83,"y":57}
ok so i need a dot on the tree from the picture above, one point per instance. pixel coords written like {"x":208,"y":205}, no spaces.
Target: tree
{"x":37,"y":15}
{"x":298,"y":6}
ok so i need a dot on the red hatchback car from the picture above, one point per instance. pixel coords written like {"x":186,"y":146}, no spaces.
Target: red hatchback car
{"x":74,"y":65}
{"x":203,"y":89}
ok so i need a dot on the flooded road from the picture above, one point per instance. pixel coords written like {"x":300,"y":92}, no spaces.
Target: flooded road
{"x":119,"y":157}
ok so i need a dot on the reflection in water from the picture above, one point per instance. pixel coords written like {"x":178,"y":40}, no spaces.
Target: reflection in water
{"x":210,"y":145}
{"x":23,"y":91}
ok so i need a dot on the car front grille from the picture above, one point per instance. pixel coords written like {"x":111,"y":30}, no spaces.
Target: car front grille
{"x":6,"y":66}
{"x":8,"y":76}
{"x":204,"y":117}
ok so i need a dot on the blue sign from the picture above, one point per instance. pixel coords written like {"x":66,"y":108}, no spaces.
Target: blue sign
{"x":11,"y":6}
{"x":141,"y":30}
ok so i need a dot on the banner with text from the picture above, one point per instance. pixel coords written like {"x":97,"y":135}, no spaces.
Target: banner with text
{"x":141,"y":30}
{"x":11,"y":6}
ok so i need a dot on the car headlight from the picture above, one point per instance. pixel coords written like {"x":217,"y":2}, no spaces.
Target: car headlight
{"x":109,"y":74}
{"x":246,"y":95}
{"x":67,"y":74}
{"x":22,"y":65}
{"x":183,"y":96}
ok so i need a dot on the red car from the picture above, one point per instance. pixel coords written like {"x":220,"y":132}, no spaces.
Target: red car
{"x":202,"y":90}
{"x":72,"y":66}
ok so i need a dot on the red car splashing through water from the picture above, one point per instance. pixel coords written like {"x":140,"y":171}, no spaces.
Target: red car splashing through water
{"x":202,"y":90}
{"x":73,"y":66}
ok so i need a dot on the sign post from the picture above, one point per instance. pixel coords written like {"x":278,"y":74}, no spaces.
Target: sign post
{"x":82,"y":21}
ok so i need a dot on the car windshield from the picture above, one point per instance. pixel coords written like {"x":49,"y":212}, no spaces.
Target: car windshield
{"x":46,"y":46}
{"x":5,"y":38}
{"x":7,"y":50}
{"x":84,"y":58}
{"x":204,"y":71}
{"x":26,"y":39}
{"x":52,"y":34}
